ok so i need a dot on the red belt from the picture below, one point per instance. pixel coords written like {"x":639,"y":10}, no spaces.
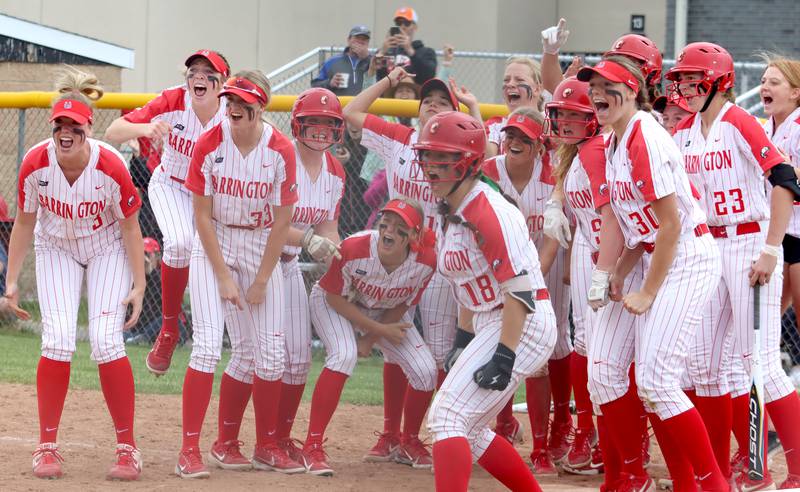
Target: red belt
{"x":541,"y":295}
{"x":698,"y":231}
{"x":721,"y":232}
{"x":179,"y":180}
{"x":286,"y":258}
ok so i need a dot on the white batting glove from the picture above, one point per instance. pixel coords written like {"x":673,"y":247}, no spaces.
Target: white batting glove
{"x":553,"y":38}
{"x":556,"y":224}
{"x":598,"y":291}
{"x":320,"y":248}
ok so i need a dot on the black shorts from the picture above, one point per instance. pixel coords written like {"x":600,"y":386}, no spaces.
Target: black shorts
{"x":791,"y":249}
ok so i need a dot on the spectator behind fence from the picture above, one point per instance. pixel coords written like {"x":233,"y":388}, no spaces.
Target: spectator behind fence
{"x":344,"y":74}
{"x":401,"y":49}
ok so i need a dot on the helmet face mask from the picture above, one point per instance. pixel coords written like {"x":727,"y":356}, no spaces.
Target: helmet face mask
{"x":571,"y":95}
{"x":433,"y":166}
{"x":714,"y":66}
{"x":317,"y":119}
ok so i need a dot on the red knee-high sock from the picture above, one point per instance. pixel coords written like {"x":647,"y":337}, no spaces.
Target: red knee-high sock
{"x":784,"y":413}
{"x":700,"y":453}
{"x":265,"y":396}
{"x":619,"y":414}
{"x":612,"y":463}
{"x":537,"y":396}
{"x":291,"y":394}
{"x":503,"y":462}
{"x":119,"y":390}
{"x":560,"y":387}
{"x":394,"y":395}
{"x":196,"y":395}
{"x":507,"y":413}
{"x":52,"y":382}
{"x":233,"y":398}
{"x":680,"y":469}
{"x":740,"y":410}
{"x":440,"y":377}
{"x":416,"y":405}
{"x":717,"y":416}
{"x":324,"y":402}
{"x":579,"y":372}
{"x":173,"y":285}
{"x":633,"y":394}
{"x":452,"y":464}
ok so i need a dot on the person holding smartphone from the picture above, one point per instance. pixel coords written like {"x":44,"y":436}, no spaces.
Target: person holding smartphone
{"x":401,"y":49}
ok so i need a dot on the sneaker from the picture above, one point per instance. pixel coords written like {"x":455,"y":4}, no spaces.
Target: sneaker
{"x":745,"y":484}
{"x":47,"y":461}
{"x":190,"y":464}
{"x":739,"y":462}
{"x":226,"y":455}
{"x":316,"y":460}
{"x":542,"y":465}
{"x":594,"y":467}
{"x":511,"y":430}
{"x":630,"y":483}
{"x":385,"y":449}
{"x":160,"y":356}
{"x":580,"y":452}
{"x":271,"y":457}
{"x":415,"y":453}
{"x":295,"y":452}
{"x":559,"y":443}
{"x":128,"y":466}
{"x":791,"y":482}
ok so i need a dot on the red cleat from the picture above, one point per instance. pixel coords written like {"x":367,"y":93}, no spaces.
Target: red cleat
{"x":190,"y":465}
{"x":630,"y":483}
{"x":295,"y":452}
{"x":542,"y":465}
{"x":272,"y":457}
{"x":558,"y":445}
{"x":316,"y":459}
{"x":160,"y":356}
{"x":384,"y":450}
{"x":47,"y":461}
{"x":228,"y":456}
{"x":128,"y":466}
{"x":415,"y":453}
{"x":791,"y":482}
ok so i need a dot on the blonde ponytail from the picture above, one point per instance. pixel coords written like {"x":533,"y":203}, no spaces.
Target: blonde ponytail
{"x":72,"y":83}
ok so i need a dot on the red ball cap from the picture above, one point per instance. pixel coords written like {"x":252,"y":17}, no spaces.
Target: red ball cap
{"x":212,"y":57}
{"x":611,"y":71}
{"x":73,"y":109}
{"x":151,"y":245}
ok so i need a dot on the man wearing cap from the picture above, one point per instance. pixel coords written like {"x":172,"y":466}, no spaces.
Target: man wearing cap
{"x":403,"y":50}
{"x":344,"y":74}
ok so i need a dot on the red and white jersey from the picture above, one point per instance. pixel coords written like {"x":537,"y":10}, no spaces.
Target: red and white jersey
{"x":533,"y":198}
{"x":244,"y":188}
{"x":494,"y":127}
{"x":91,"y":206}
{"x":584,"y":179}
{"x":393,"y":143}
{"x":729,"y":165}
{"x":644,"y":165}
{"x":787,"y":138}
{"x":318,"y":200}
{"x":174,"y":105}
{"x":476,"y":263}
{"x":360,"y":276}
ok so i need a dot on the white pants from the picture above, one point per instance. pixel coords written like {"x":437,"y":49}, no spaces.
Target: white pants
{"x":439,"y":314}
{"x":172,"y":207}
{"x":256,"y":332}
{"x":339,"y":338}
{"x":296,"y":324}
{"x":463,"y":409}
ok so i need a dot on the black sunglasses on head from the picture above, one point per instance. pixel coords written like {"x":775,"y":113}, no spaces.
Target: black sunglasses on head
{"x":402,"y":22}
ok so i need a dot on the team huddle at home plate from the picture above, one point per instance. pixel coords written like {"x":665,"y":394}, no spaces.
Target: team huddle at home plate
{"x":624,"y":238}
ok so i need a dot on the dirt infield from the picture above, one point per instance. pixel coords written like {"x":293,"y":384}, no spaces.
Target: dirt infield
{"x":86,"y":438}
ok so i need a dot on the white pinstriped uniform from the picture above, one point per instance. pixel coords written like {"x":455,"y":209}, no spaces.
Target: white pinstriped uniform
{"x":578,"y":194}
{"x":318,"y":201}
{"x":730,"y":162}
{"x":531,"y":202}
{"x":243,"y":190}
{"x":787,"y":139}
{"x":494,"y":130}
{"x":644,"y":165}
{"x":171,"y":201}
{"x":475,"y":270}
{"x":393,"y":143}
{"x":360,"y":277}
{"x":78,"y":231}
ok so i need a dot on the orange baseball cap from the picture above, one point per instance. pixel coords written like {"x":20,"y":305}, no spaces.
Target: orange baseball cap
{"x":406,"y":13}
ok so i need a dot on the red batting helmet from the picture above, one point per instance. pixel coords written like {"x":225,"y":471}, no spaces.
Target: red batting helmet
{"x":712,"y":60}
{"x":455,"y":132}
{"x":570,"y":95}
{"x":317,"y":102}
{"x":644,"y":51}
{"x":151,"y":245}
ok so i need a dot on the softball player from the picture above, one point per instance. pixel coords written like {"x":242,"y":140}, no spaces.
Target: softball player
{"x":373,"y":288}
{"x":393,"y":143}
{"x":522,"y":87}
{"x":660,"y":219}
{"x":507,"y":323}
{"x":178,"y":116}
{"x":317,"y":124}
{"x":524,"y":173}
{"x":731,"y":156}
{"x":243,"y":180}
{"x":77,"y":205}
{"x":672,"y":112}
